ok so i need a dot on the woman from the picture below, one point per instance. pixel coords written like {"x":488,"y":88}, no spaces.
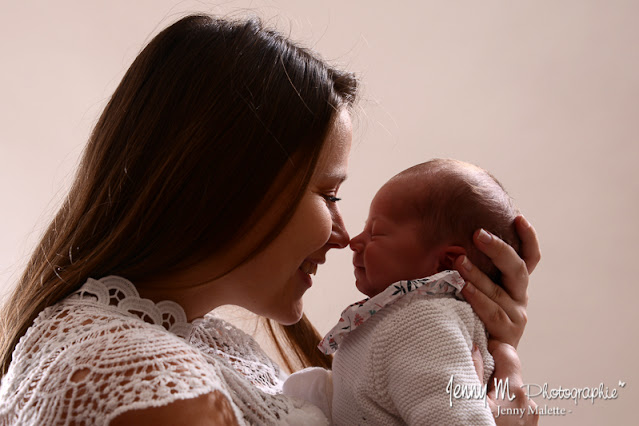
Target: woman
{"x":211,"y":178}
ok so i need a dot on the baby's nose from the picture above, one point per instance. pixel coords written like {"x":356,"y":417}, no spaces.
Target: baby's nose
{"x":357,"y":243}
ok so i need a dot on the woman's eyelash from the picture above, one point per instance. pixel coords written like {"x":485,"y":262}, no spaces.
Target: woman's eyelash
{"x":331,"y":198}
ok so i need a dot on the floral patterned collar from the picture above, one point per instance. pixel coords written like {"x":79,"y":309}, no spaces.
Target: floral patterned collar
{"x":354,"y":315}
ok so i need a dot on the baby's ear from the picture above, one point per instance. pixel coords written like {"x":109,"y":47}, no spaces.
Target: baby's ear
{"x":447,"y":256}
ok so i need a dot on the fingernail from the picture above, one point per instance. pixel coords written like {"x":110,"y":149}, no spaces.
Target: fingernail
{"x":466,"y":263}
{"x":470,"y":288}
{"x":484,"y":237}
{"x":475,"y":347}
{"x":525,"y":222}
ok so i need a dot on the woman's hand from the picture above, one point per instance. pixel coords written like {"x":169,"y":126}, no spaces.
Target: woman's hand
{"x":503,"y":310}
{"x":507,"y":366}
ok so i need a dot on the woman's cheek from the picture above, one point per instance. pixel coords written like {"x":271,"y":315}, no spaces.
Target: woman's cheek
{"x":313,"y":223}
{"x":326,"y":221}
{"x":322,"y":222}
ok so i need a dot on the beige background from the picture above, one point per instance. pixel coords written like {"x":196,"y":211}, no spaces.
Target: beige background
{"x":545,"y":94}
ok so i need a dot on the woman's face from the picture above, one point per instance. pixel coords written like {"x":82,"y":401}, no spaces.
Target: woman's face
{"x":274,"y":281}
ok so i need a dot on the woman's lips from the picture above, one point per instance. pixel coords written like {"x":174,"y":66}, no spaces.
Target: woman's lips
{"x":306,"y":269}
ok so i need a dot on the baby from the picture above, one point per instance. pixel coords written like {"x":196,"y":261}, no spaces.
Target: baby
{"x":404,"y":352}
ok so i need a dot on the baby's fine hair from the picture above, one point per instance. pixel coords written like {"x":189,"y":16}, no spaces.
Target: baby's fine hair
{"x":459,"y":198}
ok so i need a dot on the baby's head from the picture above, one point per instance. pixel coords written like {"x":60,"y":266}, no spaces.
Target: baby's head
{"x":422,"y":219}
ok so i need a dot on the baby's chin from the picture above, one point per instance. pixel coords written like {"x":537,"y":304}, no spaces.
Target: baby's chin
{"x":368,"y":288}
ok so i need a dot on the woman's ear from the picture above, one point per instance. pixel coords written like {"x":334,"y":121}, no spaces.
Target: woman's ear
{"x":447,"y":256}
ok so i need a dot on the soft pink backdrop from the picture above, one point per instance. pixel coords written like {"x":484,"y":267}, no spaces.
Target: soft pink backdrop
{"x":545,"y":94}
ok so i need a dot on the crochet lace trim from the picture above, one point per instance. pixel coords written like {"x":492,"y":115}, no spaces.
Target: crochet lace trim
{"x":121,"y":293}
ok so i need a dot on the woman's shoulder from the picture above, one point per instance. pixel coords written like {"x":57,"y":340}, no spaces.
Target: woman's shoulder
{"x":103,"y":356}
{"x":106,"y":321}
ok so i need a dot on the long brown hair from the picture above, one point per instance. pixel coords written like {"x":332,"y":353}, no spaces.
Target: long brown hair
{"x":192,"y":140}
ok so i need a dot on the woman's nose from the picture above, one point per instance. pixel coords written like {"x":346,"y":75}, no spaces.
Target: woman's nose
{"x":339,"y":236}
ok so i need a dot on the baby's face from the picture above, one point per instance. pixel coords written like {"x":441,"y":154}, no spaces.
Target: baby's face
{"x":389,"y":248}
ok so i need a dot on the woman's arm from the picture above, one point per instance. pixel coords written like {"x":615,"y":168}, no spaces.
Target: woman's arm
{"x":507,"y":367}
{"x":212,"y":409}
{"x":503,"y":310}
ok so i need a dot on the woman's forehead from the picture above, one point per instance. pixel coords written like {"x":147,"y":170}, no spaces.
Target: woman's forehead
{"x":333,"y":161}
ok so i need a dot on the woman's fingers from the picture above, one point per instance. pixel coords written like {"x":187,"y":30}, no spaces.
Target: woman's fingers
{"x":481,"y":281}
{"x":530,"y":251}
{"x":514,"y":271}
{"x":505,"y":317}
{"x":498,"y":321}
{"x":502,"y":308}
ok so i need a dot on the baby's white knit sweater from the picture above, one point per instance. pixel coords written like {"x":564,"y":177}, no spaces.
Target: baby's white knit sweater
{"x":404,"y":364}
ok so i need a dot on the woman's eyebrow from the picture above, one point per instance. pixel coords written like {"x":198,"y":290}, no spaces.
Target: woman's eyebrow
{"x":334,"y":176}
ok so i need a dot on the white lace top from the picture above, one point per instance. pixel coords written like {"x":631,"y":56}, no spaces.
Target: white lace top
{"x":104,"y":351}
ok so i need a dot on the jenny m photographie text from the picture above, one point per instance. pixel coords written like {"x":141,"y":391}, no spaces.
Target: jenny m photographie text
{"x":543,"y":394}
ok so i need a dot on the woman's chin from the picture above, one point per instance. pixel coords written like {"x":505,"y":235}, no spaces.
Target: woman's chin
{"x":291,"y":316}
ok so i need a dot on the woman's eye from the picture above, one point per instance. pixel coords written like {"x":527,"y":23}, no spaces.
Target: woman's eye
{"x":331,"y":198}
